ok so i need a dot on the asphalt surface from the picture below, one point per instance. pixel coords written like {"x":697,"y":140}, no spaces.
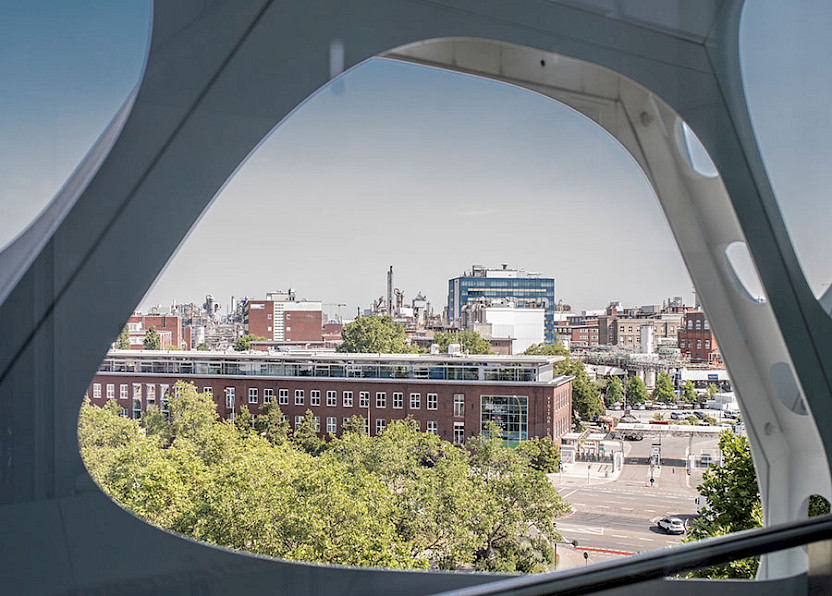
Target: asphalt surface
{"x":621,"y":515}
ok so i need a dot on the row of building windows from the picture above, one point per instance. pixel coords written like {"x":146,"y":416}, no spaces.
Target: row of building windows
{"x":283,"y":397}
{"x":698,"y":344}
{"x":698,"y":324}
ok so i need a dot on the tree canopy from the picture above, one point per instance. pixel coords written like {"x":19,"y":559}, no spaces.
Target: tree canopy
{"x":401,"y":499}
{"x":663,"y":391}
{"x":123,"y":340}
{"x":469,"y":341}
{"x":614,"y":391}
{"x":555,"y":349}
{"x":689,"y":392}
{"x":243,"y":344}
{"x":636,"y":391}
{"x":375,"y":334}
{"x":152,"y":341}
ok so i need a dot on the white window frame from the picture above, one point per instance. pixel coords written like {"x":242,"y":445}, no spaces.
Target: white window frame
{"x":252,"y":393}
{"x":268,"y":395}
{"x":433,"y":401}
{"x":124,"y":391}
{"x":433,"y":427}
{"x":459,"y":433}
{"x":229,"y":397}
{"x":208,"y":392}
{"x":398,"y":400}
{"x":283,"y":397}
{"x":331,"y":399}
{"x":298,"y":421}
{"x":347,"y":399}
{"x":331,"y":424}
{"x":381,"y":399}
{"x":415,"y":401}
{"x":381,"y":424}
{"x":363,"y":399}
{"x":299,"y":397}
{"x":150,"y":392}
{"x":137,"y":391}
{"x":164,"y":396}
{"x":111,"y":391}
{"x":315,"y":397}
{"x":459,"y":405}
{"x":316,"y":423}
{"x":96,"y":390}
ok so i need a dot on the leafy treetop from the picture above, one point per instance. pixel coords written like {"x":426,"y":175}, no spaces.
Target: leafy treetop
{"x":380,"y":335}
{"x":469,"y":341}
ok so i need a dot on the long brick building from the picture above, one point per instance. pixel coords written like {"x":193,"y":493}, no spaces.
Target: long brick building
{"x":451,"y":395}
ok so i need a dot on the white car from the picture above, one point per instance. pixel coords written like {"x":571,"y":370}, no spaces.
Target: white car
{"x":672,"y":525}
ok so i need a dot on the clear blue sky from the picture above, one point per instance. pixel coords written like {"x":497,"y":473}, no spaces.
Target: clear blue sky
{"x":424,"y":170}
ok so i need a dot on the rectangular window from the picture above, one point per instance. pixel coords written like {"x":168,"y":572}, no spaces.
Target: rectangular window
{"x":298,"y":397}
{"x":298,"y":421}
{"x":315,"y":397}
{"x":252,"y":395}
{"x":433,"y":427}
{"x":229,"y":397}
{"x":137,"y":391}
{"x":123,"y":413}
{"x":707,"y":344}
{"x":433,"y":401}
{"x":284,"y":419}
{"x":137,"y":408}
{"x":398,"y":400}
{"x":509,"y":412}
{"x":96,"y":390}
{"x":381,"y":400}
{"x":331,"y":398}
{"x":111,"y":391}
{"x":698,"y":344}
{"x":208,"y":392}
{"x":363,"y":399}
{"x":316,"y":423}
{"x":268,"y":395}
{"x":380,"y":425}
{"x":415,"y":401}
{"x":123,"y":391}
{"x":164,"y":394}
{"x":459,"y":432}
{"x":347,"y":399}
{"x":332,"y":425}
{"x":682,"y":343}
{"x":283,"y":397}
{"x":459,"y":405}
{"x":151,"y":394}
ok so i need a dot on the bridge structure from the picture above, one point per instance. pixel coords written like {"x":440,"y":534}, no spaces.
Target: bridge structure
{"x":218,"y":78}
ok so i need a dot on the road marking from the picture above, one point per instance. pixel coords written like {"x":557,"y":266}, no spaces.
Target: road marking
{"x":603,"y":506}
{"x":578,"y":504}
{"x":650,"y":510}
{"x":619,"y":536}
{"x":626,"y":508}
{"x":582,"y":529}
{"x":571,"y":493}
{"x":646,"y":539}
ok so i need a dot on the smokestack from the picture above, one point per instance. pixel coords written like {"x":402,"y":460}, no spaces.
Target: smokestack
{"x":390,"y":291}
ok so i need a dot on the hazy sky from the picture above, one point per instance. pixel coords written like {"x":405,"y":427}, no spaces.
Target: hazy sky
{"x":424,"y":170}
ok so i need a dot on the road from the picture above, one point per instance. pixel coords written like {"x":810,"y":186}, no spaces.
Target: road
{"x":621,"y":515}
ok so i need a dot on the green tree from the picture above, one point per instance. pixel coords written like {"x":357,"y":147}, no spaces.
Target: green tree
{"x":243,"y":344}
{"x":543,"y":454}
{"x":555,"y":349}
{"x":689,"y":392}
{"x":100,"y":432}
{"x":469,"y":341}
{"x":663,"y":391}
{"x":732,"y":499}
{"x":152,"y":341}
{"x":203,"y":347}
{"x":305,"y":434}
{"x":614,"y":391}
{"x":123,"y":339}
{"x":375,"y":334}
{"x":636,"y":391}
{"x":271,"y":425}
{"x":244,"y":421}
{"x":712,"y":390}
{"x":354,"y":425}
{"x":192,"y":413}
{"x":586,"y":395}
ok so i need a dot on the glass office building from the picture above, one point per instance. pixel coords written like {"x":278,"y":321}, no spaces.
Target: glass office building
{"x":524,"y":288}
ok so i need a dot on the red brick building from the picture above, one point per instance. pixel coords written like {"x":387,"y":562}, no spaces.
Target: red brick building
{"x":581,"y":335}
{"x":697,"y":341}
{"x":281,"y":318}
{"x":169,"y":328}
{"x":453,"y":396}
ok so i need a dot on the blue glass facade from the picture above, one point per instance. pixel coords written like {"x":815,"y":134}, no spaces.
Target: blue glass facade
{"x":524,"y":291}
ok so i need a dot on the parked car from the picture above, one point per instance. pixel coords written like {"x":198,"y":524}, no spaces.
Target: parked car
{"x":672,"y":525}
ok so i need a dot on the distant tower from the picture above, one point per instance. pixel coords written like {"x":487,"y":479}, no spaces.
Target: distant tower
{"x":390,"y":292}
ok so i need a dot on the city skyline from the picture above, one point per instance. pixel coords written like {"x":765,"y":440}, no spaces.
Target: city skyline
{"x":427,"y":170}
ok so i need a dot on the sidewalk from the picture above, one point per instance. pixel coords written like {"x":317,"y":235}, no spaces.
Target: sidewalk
{"x":588,"y":472}
{"x":569,"y":557}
